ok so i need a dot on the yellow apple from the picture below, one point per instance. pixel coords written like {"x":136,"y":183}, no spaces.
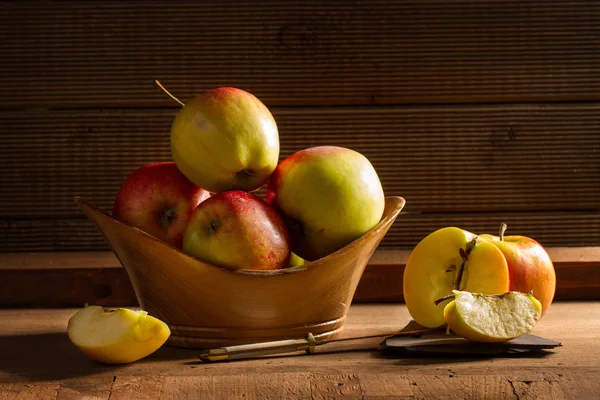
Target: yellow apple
{"x":328,"y":197}
{"x":116,"y":336}
{"x":225,"y":139}
{"x":450,"y":259}
{"x":295,"y":260}
{"x":485,"y":318}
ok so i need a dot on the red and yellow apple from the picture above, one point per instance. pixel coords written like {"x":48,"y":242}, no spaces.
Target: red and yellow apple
{"x":237,"y":230}
{"x":225,"y":139}
{"x":158,"y":199}
{"x":446,"y":260}
{"x":328,"y":196}
{"x":529,"y":265}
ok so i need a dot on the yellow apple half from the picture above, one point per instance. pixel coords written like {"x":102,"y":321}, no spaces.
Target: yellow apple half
{"x":450,"y":259}
{"x":484,"y":318}
{"x":116,"y":336}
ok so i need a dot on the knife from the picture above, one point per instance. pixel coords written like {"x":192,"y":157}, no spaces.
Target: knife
{"x":307,"y":344}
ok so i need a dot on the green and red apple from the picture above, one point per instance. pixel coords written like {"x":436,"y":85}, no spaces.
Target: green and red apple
{"x":237,"y":230}
{"x":446,"y":260}
{"x":225,"y":139}
{"x":529,"y":265}
{"x":158,"y":199}
{"x":329,"y":196}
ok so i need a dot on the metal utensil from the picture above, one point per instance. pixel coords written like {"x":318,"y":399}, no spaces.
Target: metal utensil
{"x":288,"y":346}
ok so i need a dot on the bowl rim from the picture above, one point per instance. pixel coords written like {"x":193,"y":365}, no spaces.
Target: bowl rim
{"x":385,"y":220}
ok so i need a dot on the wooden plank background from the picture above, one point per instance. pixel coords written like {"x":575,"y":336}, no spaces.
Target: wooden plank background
{"x":67,"y":279}
{"x":476,"y":112}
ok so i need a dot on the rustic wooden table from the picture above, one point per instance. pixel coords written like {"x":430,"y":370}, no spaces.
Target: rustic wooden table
{"x":38,"y":361}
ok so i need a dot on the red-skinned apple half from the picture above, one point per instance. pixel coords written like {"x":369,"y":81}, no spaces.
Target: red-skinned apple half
{"x":328,"y":197}
{"x":237,"y":230}
{"x":529,"y":266}
{"x":158,"y":199}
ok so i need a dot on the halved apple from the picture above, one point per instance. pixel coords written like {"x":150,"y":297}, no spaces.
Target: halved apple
{"x":450,"y":259}
{"x":492,"y":318}
{"x":116,"y":336}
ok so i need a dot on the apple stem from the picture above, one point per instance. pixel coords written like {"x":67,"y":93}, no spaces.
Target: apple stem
{"x":503,"y":227}
{"x":168,"y":93}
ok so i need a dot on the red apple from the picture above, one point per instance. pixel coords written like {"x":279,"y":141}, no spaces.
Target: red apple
{"x":158,"y":199}
{"x":529,"y":265}
{"x":328,"y":197}
{"x":237,"y":230}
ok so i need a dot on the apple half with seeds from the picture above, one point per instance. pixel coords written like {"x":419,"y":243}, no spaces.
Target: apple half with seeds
{"x":446,"y":260}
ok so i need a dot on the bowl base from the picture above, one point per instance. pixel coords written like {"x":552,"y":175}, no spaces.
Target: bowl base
{"x":208,"y":338}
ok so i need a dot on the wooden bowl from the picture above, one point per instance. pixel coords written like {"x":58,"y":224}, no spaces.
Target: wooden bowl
{"x":207,"y":306}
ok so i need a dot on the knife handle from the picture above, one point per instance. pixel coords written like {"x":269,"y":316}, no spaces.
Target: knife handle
{"x":260,"y":349}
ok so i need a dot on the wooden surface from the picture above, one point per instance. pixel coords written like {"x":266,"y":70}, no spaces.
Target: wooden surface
{"x":73,"y":279}
{"x":477,"y":113}
{"x":38,"y":361}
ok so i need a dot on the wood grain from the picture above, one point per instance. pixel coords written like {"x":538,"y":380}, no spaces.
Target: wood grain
{"x":441,"y":159}
{"x":552,"y":229}
{"x":80,"y":54}
{"x":535,"y":167}
{"x":73,"y":279}
{"x":88,"y":388}
{"x":30,"y":339}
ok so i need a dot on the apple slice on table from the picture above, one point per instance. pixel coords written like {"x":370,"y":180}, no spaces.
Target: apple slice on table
{"x":529,"y":266}
{"x":492,"y":318}
{"x":446,"y":260}
{"x":116,"y":336}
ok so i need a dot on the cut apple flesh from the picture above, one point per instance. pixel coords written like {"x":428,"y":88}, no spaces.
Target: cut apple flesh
{"x":485,"y":318}
{"x":116,"y":336}
{"x":449,"y":259}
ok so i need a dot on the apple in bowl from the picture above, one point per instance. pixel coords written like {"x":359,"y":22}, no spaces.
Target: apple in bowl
{"x":328,"y":196}
{"x":237,"y":230}
{"x":158,"y":199}
{"x":225,"y":139}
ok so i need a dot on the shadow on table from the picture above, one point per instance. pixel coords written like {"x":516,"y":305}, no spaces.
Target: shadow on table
{"x":52,"y":356}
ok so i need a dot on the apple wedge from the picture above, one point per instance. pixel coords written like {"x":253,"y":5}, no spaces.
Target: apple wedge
{"x":450,"y":259}
{"x":492,"y":318}
{"x":116,"y":336}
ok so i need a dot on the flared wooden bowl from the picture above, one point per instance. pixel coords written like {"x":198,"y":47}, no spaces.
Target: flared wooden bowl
{"x":208,"y":306}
